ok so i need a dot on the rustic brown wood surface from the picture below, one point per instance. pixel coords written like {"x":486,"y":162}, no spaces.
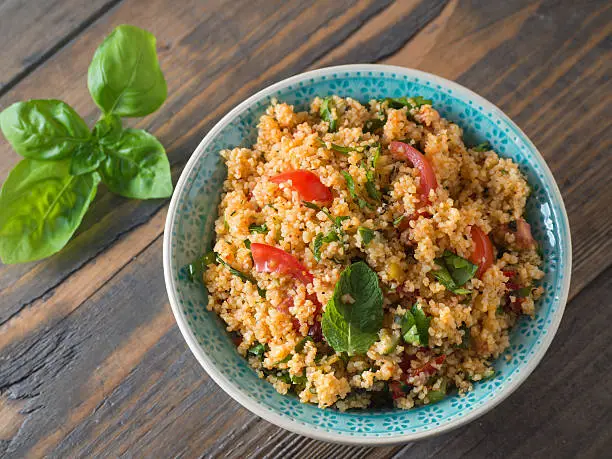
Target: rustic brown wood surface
{"x":91,"y":361}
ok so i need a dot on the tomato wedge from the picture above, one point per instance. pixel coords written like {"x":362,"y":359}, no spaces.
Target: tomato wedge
{"x":428,"y":177}
{"x":307,"y":184}
{"x":482,"y":254}
{"x":269,"y":259}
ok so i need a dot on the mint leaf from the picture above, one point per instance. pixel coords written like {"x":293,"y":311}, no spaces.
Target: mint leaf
{"x":320,"y":239}
{"x":350,"y":183}
{"x":481,"y":148}
{"x":410,"y":332}
{"x":258,"y":350}
{"x":352,"y":327}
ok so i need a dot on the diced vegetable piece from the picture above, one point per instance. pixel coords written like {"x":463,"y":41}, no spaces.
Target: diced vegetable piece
{"x":307,"y":184}
{"x":482,"y":252}
{"x":428,"y":176}
{"x":271,"y":259}
{"x":435,"y":396}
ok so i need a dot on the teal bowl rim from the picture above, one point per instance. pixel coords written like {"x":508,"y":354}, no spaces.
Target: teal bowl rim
{"x":295,"y":425}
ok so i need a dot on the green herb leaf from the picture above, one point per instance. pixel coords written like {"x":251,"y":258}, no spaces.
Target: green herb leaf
{"x":350,"y":183}
{"x":454,"y":272}
{"x":299,"y":380}
{"x":411,"y":103}
{"x":241,"y":275}
{"x":261,"y":229}
{"x":299,"y":347}
{"x":410,"y":332}
{"x":312,"y":205}
{"x":376,"y":156}
{"x":465,"y":342}
{"x":420,"y":100}
{"x":136,"y":166}
{"x":87,"y":158}
{"x":523,"y":292}
{"x":374,"y":124}
{"x":422,"y":323}
{"x":108,"y":129}
{"x":43,"y":129}
{"x":342,"y":149}
{"x":320,"y":240}
{"x":124,"y":76}
{"x":435,"y":396}
{"x":258,"y":350}
{"x":195,"y":270}
{"x":285,"y":359}
{"x":371,"y":186}
{"x":353,"y":326}
{"x":247,"y":244}
{"x":41,"y":206}
{"x":486,"y":146}
{"x":366,"y":234}
{"x":398,"y":220}
{"x":327,"y":113}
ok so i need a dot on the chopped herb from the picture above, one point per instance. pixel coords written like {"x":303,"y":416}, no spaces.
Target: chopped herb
{"x":465,"y":342}
{"x":366,"y":234}
{"x":454,"y":272}
{"x":504,"y":172}
{"x":523,"y":292}
{"x":299,"y":347}
{"x":225,"y":224}
{"x":435,"y":396}
{"x":398,"y":220}
{"x":337,"y":221}
{"x":326,"y":113}
{"x":320,"y":239}
{"x":376,"y":155}
{"x":270,"y":205}
{"x":283,"y":376}
{"x":411,"y":103}
{"x":415,"y":326}
{"x":260,"y":229}
{"x":420,"y":100}
{"x":241,"y":275}
{"x":346,"y":150}
{"x":258,"y":350}
{"x":285,"y":359}
{"x":486,"y":146}
{"x":374,"y":124}
{"x":311,"y":205}
{"x":195,"y":270}
{"x":299,"y":380}
{"x":247,"y":244}
{"x":350,"y":183}
{"x":371,"y":186}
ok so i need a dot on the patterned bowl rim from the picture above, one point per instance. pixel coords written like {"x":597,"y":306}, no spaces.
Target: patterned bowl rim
{"x":234,"y":390}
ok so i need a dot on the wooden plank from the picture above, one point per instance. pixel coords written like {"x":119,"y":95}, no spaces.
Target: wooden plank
{"x":33,"y":31}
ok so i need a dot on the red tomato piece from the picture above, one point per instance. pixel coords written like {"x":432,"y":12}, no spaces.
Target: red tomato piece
{"x":307,"y":184}
{"x":428,"y":177}
{"x":428,"y":369}
{"x":269,"y":259}
{"x":396,"y":390}
{"x":482,"y":254}
{"x":524,"y":239}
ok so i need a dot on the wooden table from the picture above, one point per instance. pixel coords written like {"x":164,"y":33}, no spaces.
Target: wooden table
{"x":91,"y":361}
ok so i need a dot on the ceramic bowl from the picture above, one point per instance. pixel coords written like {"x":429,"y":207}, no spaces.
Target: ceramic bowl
{"x":190,"y":229}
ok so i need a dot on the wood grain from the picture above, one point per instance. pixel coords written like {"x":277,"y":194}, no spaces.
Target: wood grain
{"x":91,"y":363}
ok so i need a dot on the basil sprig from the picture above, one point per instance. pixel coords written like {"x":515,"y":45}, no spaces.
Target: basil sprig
{"x":354,"y":314}
{"x":46,"y":195}
{"x":454,"y":272}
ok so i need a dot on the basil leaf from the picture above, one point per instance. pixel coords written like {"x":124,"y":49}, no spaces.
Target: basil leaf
{"x":108,"y":129}
{"x":481,"y":148}
{"x":353,"y":327}
{"x":261,"y":229}
{"x":87,"y":158}
{"x":241,"y":275}
{"x":136,"y":166}
{"x":327,"y":114}
{"x":422,"y":324}
{"x":43,"y":129}
{"x":124,"y":76}
{"x":366,"y":234}
{"x":41,"y":206}
{"x":410,"y":332}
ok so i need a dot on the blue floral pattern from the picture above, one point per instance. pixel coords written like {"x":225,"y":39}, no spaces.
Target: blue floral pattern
{"x":190,"y":231}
